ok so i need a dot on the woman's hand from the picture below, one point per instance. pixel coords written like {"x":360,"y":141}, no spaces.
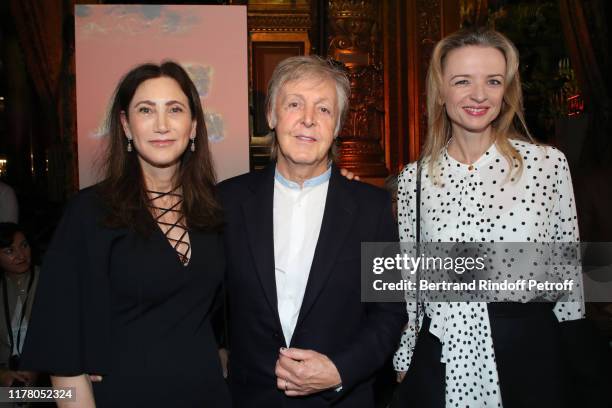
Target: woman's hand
{"x":400,"y":375}
{"x":7,"y":377}
{"x":30,"y":377}
{"x":82,"y":391}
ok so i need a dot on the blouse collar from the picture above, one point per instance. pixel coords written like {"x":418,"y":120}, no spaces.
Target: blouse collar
{"x":450,"y":163}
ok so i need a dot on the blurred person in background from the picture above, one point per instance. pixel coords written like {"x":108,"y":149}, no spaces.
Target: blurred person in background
{"x":18,"y":278}
{"x":9,"y":210}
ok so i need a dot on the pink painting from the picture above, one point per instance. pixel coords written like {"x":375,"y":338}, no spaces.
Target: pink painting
{"x":209,"y":41}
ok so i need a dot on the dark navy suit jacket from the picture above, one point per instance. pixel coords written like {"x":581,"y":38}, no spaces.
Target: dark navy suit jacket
{"x":358,"y":337}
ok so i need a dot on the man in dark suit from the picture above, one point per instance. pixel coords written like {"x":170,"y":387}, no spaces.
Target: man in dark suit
{"x":293,"y":239}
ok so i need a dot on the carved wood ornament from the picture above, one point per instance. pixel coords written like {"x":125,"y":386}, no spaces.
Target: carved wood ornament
{"x":354,"y":39}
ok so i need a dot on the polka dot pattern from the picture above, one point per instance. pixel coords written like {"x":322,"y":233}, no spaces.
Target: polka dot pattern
{"x":484,"y":202}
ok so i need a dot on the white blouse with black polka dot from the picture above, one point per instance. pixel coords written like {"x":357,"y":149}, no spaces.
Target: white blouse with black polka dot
{"x":482,"y":203}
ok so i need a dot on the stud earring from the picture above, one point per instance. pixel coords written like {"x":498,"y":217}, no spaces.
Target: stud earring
{"x":192,"y":147}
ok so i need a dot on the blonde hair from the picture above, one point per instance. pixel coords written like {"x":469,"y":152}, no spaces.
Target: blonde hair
{"x":509,"y":124}
{"x":308,"y":66}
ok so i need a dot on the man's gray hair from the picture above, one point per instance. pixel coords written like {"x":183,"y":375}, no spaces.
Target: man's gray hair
{"x":309,"y":66}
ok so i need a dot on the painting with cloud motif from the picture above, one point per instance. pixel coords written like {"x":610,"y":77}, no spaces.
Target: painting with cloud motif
{"x":210,"y":42}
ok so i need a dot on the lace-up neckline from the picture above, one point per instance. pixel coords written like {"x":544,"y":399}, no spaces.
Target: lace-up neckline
{"x":180,"y":245}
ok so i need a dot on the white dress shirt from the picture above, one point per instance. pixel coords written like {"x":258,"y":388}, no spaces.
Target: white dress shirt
{"x":298,"y":213}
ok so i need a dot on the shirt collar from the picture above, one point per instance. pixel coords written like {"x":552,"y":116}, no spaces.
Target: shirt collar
{"x":313,"y":182}
{"x":491,"y":153}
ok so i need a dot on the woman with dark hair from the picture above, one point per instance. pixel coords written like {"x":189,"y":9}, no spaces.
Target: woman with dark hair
{"x":129,"y":281}
{"x":18,"y":278}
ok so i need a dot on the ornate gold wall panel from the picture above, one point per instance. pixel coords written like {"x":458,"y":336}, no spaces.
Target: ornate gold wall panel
{"x":355,"y":40}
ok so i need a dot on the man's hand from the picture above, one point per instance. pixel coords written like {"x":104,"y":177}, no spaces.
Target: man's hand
{"x":303,"y":372}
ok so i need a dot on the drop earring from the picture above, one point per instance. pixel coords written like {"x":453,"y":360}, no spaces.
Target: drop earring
{"x":192,"y":147}
{"x":129,"y":144}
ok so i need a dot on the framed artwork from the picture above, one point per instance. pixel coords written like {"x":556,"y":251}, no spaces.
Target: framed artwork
{"x":210,"y":42}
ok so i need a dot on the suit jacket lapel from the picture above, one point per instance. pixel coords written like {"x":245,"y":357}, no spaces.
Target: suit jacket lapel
{"x":338,"y":217}
{"x":258,"y":213}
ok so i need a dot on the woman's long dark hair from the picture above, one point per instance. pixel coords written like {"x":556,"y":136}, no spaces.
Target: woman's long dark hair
{"x":123,"y":189}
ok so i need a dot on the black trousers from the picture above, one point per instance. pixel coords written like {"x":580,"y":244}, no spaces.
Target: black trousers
{"x":532,"y":366}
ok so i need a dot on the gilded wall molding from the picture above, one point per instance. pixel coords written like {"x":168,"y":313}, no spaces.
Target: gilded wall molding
{"x":279,"y":23}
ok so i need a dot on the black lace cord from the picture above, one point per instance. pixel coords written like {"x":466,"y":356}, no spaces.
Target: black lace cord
{"x":183,"y":255}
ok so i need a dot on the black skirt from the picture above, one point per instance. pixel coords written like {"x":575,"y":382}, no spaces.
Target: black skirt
{"x":531,"y":358}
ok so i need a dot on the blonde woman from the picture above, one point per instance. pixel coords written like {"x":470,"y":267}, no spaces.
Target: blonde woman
{"x":483,"y":179}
